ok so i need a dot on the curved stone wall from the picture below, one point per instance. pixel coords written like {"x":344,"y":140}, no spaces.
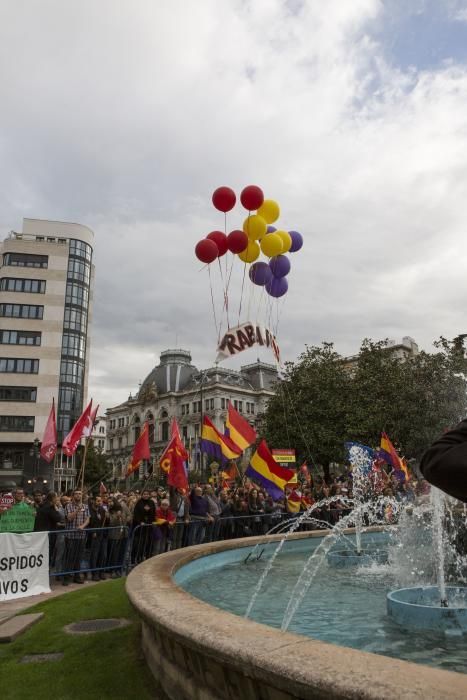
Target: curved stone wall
{"x":198,"y":652}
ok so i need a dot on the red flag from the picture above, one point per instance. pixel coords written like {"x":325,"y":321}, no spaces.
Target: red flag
{"x":49,"y":441}
{"x":102,"y":489}
{"x":140,"y":450}
{"x":92,"y":420}
{"x":71,"y":441}
{"x":174,"y":443}
{"x":177,"y":475}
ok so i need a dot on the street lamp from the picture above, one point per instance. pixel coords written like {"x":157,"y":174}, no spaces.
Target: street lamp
{"x":35,"y":453}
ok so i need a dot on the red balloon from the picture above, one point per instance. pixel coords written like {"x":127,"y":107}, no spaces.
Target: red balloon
{"x":224,"y":199}
{"x":206,"y":251}
{"x":237,"y":241}
{"x":252,"y":197}
{"x":220,"y":239}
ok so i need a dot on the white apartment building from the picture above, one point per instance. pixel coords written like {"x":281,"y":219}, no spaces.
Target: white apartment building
{"x":46,"y":283}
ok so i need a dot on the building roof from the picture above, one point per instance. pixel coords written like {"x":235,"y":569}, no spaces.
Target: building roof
{"x":172,"y":374}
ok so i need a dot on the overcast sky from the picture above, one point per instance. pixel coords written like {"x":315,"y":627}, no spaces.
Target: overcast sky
{"x":125,"y":115}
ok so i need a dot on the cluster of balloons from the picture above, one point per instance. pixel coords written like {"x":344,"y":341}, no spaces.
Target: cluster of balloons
{"x":257,"y":236}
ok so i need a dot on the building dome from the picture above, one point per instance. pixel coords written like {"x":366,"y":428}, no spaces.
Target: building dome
{"x":172,"y":374}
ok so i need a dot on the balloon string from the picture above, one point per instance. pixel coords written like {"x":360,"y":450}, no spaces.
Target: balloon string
{"x":213,"y":306}
{"x":241,"y":294}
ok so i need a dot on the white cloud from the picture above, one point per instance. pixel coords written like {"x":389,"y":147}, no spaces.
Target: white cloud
{"x":125,"y":116}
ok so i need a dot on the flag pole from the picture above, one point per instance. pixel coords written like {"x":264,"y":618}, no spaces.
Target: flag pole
{"x":83,"y":463}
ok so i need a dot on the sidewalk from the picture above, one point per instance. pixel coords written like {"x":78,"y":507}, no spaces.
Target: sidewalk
{"x":9,"y":608}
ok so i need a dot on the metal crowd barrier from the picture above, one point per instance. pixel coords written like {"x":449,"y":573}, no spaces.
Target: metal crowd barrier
{"x":98,"y":551}
{"x":113,"y":551}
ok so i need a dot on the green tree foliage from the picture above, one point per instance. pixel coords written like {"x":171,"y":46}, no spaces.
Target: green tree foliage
{"x":97,"y":465}
{"x":323,"y":400}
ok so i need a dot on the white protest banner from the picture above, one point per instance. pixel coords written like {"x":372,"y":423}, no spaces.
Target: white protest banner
{"x":242,"y":337}
{"x":24,"y":565}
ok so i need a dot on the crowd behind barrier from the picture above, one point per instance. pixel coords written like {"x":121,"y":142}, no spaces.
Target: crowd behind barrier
{"x":98,"y":536}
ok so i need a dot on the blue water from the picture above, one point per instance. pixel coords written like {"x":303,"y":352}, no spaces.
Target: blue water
{"x":342,"y":606}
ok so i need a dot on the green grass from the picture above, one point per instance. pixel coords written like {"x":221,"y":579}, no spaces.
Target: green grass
{"x":101,"y":665}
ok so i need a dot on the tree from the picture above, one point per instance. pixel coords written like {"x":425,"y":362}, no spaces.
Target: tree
{"x":97,"y":465}
{"x":323,"y":400}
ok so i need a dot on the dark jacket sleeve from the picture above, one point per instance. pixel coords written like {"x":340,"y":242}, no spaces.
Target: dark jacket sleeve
{"x":444,"y":464}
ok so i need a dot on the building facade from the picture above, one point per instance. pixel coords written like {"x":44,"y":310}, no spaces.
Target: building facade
{"x":46,"y":283}
{"x":177,"y":389}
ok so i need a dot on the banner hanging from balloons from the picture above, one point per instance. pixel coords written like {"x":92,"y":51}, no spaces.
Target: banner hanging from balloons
{"x":240,"y":338}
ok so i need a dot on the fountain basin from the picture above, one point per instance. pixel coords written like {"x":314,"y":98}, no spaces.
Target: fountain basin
{"x":191,"y":645}
{"x":349,"y":557}
{"x":419,"y":608}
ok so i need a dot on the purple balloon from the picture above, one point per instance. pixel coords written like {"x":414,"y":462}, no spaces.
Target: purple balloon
{"x":271,"y":229}
{"x":280,"y":266}
{"x":277,"y":287}
{"x":297,"y":241}
{"x":260,"y":273}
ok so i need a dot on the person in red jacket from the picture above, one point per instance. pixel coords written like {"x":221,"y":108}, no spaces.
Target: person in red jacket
{"x":164,"y":520}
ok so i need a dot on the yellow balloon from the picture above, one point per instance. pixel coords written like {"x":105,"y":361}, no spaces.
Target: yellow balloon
{"x":251,"y":252}
{"x":271,"y":245}
{"x":269,"y":210}
{"x":255,"y":227}
{"x":286,"y":239}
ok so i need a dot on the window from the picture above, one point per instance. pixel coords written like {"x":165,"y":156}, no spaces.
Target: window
{"x":183,"y":409}
{"x":25,"y":260}
{"x":240,"y":406}
{"x":17,"y":424}
{"x":206,"y":405}
{"x":247,"y":406}
{"x":120,"y":443}
{"x":211,"y":404}
{"x":62,"y":240}
{"x":20,"y":337}
{"x":76,"y":294}
{"x":111,"y":444}
{"x":18,"y":393}
{"x":17,"y":284}
{"x":165,"y":431}
{"x":185,"y":432}
{"x":101,"y":429}
{"x":74,"y":345}
{"x":72,"y":371}
{"x":252,"y":407}
{"x":236,"y":404}
{"x":100,"y":444}
{"x":196,"y":406}
{"x":79,"y":270}
{"x":223,"y":403}
{"x":69,"y":399}
{"x":75,"y":320}
{"x":112,"y":424}
{"x":121,"y":422}
{"x":21,"y":311}
{"x":19,"y":365}
{"x":80,"y":249}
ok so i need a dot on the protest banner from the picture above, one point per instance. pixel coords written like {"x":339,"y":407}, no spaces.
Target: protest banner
{"x":24,"y":565}
{"x":284,"y":457}
{"x":6,"y":501}
{"x":19,"y":518}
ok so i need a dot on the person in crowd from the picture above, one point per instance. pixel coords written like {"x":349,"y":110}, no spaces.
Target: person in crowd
{"x":214,"y":509}
{"x":49,"y":519}
{"x":165,"y":522}
{"x":143,"y":518}
{"x":117,"y":538}
{"x":37,"y":500}
{"x":76,"y":521}
{"x":256,"y":510}
{"x":226,"y":517}
{"x":180,"y":505}
{"x":199,"y":516}
{"x":98,"y":521}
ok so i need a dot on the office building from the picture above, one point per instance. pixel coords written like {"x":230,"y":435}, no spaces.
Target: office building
{"x":46,"y":282}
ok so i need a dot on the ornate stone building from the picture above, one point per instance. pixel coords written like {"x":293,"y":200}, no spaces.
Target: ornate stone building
{"x":176,"y":388}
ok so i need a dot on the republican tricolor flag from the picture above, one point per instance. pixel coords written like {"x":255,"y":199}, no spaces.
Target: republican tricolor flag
{"x":238,"y":429}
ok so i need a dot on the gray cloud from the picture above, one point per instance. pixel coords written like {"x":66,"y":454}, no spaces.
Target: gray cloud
{"x":126,"y":116}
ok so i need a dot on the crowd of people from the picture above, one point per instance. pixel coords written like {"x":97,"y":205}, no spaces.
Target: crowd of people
{"x":106,"y":533}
